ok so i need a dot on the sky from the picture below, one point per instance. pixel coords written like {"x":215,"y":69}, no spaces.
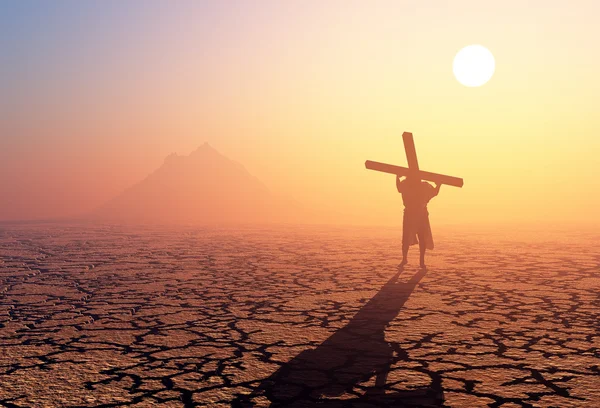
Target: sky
{"x":96,"y":94}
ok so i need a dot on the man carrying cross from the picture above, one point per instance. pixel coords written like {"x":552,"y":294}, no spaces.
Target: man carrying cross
{"x":415,"y":223}
{"x":415,"y":195}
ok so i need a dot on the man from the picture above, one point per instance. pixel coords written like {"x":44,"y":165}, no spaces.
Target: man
{"x":415,"y":196}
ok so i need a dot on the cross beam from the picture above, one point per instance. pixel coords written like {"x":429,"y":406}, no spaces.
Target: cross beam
{"x":413,"y":166}
{"x":411,"y":152}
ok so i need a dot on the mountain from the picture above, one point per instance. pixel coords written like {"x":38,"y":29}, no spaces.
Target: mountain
{"x":204,"y":187}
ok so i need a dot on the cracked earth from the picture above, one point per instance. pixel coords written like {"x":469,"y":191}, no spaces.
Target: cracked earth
{"x":114,"y":316}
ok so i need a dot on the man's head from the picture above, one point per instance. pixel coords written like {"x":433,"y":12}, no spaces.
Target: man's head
{"x":412,"y":179}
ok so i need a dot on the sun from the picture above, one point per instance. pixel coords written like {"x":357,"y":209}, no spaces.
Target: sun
{"x":474,"y":65}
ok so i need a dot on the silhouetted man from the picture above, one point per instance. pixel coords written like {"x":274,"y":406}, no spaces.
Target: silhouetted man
{"x":415,"y":196}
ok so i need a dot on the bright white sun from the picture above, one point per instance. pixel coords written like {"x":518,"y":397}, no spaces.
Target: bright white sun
{"x":474,"y":65}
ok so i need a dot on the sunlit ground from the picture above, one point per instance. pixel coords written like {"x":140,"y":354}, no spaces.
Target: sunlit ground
{"x":111,"y":315}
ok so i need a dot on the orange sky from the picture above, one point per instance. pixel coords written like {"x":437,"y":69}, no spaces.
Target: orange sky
{"x":302,"y":93}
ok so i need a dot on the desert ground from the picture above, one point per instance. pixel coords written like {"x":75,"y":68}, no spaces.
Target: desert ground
{"x":276,"y":316}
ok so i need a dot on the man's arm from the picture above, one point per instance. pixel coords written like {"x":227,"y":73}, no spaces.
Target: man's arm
{"x":437,"y":188}
{"x":399,"y":185}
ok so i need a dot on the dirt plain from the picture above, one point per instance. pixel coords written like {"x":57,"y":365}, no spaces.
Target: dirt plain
{"x":181,"y":317}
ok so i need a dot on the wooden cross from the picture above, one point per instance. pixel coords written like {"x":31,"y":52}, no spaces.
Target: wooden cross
{"x":413,"y":166}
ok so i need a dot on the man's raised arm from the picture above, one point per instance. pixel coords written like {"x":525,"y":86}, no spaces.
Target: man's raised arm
{"x":399,"y":185}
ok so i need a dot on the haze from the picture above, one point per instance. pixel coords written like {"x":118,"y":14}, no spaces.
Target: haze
{"x":95,"y":95}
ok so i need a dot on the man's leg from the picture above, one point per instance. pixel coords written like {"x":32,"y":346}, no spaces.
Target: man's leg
{"x":424,"y":235}
{"x":422,"y":249}
{"x":405,"y":240}
{"x":404,"y":253}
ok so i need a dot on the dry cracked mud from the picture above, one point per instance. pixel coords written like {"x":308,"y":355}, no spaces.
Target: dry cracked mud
{"x":115,"y":316}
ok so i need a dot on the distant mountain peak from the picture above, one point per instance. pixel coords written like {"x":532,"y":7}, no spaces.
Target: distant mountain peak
{"x":204,"y":150}
{"x":205,"y":147}
{"x":203,"y":187}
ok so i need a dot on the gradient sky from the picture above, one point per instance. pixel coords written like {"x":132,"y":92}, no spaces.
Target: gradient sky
{"x":96,"y":94}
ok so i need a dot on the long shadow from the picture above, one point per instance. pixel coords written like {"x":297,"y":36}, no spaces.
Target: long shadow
{"x":337,"y":372}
